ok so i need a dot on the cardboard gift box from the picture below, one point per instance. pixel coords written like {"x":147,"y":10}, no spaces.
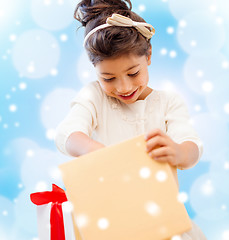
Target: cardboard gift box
{"x":54,"y":215}
{"x":119,"y":192}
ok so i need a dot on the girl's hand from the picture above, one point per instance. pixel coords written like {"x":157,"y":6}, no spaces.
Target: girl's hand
{"x":162,"y":148}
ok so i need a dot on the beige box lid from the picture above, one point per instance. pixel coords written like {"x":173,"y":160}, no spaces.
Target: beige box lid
{"x":120,"y":193}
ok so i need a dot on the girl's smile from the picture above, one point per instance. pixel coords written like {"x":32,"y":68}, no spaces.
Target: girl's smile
{"x":125,"y":78}
{"x":128,"y":96}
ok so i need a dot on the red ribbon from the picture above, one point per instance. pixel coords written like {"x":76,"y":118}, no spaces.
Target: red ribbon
{"x":57,"y":196}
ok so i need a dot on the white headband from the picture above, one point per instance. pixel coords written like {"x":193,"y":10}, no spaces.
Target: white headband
{"x":119,"y":20}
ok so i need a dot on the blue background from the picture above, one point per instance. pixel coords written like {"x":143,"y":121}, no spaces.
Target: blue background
{"x":43,"y":65}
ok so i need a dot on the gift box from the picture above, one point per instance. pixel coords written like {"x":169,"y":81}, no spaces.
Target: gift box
{"x":119,"y":192}
{"x":54,"y":215}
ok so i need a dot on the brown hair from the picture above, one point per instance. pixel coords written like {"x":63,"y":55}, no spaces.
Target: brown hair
{"x":110,"y":42}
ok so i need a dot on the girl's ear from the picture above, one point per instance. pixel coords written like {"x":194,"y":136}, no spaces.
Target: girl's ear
{"x":149,"y":56}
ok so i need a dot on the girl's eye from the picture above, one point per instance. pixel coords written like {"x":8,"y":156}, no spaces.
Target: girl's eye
{"x":134,"y":74}
{"x":108,"y":79}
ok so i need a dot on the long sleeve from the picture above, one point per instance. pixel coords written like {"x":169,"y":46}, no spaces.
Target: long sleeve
{"x":178,"y":124}
{"x":82,"y":116}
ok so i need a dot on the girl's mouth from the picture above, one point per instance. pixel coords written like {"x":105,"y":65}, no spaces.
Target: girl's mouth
{"x":129,"y":96}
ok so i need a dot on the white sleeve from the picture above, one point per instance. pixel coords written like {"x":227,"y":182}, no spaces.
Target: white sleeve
{"x":82,"y":116}
{"x":178,"y":123}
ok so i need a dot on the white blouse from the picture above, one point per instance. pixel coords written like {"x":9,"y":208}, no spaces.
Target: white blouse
{"x":109,"y":121}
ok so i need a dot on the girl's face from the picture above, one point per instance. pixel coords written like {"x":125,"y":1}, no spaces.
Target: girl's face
{"x":125,"y":77}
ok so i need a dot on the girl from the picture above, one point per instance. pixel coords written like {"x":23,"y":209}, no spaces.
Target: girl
{"x":120,"y":105}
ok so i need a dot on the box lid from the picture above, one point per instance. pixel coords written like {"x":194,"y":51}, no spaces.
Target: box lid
{"x":119,"y":192}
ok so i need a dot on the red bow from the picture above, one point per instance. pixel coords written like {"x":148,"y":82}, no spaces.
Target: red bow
{"x":57,"y":196}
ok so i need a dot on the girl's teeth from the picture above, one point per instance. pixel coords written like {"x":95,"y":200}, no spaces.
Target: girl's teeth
{"x":127,"y":95}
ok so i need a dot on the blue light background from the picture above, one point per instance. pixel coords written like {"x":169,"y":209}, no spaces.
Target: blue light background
{"x":43,"y":65}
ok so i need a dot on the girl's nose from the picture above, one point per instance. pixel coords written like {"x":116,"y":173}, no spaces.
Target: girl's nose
{"x":124,"y":86}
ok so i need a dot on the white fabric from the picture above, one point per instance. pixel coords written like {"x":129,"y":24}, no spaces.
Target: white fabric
{"x":110,"y":121}
{"x":146,"y":29}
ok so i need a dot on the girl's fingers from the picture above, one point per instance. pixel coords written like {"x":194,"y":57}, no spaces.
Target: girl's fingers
{"x":163,"y":154}
{"x":154,"y":133}
{"x":155,"y":142}
{"x":164,"y":159}
{"x":159,"y":152}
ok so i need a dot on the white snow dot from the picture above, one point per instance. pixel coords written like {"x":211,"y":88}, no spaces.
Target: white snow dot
{"x":142,"y":8}
{"x":168,"y":86}
{"x":182,"y":23}
{"x":22,"y":86}
{"x":54,"y":72}
{"x":197,"y":108}
{"x":226,"y":108}
{"x":225,"y":64}
{"x":81,"y":220}
{"x":101,"y":179}
{"x":67,"y":207}
{"x":207,"y":188}
{"x":53,"y":45}
{"x":219,"y":20}
{"x":47,"y":108}
{"x":13,"y":108}
{"x":170,"y":30}
{"x":5,"y":126}
{"x":161,"y":176}
{"x":50,"y":134}
{"x":20,"y":185}
{"x":60,"y":2}
{"x":224,"y":207}
{"x":31,"y":67}
{"x":193,"y":43}
{"x":200,"y":73}
{"x":2,"y":13}
{"x":17,"y":124}
{"x":103,"y":223}
{"x":5,"y":213}
{"x":85,"y":74}
{"x":152,"y":208}
{"x":29,"y":153}
{"x":63,"y":37}
{"x":38,"y":96}
{"x":12,"y":37}
{"x":163,"y":51}
{"x":145,"y":172}
{"x":213,"y":8}
{"x":225,"y":235}
{"x":173,"y":54}
{"x":226,"y":165}
{"x":55,"y":174}
{"x":47,"y":2}
{"x":182,"y":197}
{"x":8,"y":96}
{"x":207,"y":86}
{"x":177,"y":237}
{"x":41,"y":186}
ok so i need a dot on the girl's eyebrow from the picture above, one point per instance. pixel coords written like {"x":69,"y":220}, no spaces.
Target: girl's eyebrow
{"x":106,"y":73}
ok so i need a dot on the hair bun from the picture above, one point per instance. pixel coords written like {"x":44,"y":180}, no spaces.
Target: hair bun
{"x":88,"y":10}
